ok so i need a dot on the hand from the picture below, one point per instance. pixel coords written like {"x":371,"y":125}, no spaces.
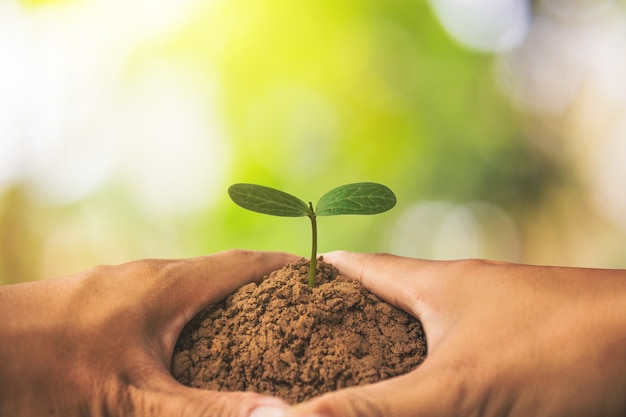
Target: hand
{"x":99,"y":343}
{"x":503,"y":340}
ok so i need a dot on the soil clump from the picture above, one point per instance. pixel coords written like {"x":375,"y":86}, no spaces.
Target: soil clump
{"x":282,"y":338}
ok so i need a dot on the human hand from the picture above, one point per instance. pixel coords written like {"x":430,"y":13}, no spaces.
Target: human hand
{"x":503,"y":340}
{"x":99,"y":343}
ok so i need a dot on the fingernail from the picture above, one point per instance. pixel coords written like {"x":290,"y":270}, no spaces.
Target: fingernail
{"x":268,"y":411}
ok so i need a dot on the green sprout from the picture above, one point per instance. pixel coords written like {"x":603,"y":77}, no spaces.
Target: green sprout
{"x":357,"y":198}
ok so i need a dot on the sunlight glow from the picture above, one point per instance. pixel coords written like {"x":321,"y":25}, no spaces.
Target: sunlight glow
{"x":78,"y":105}
{"x":442,"y":230}
{"x":485,"y":25}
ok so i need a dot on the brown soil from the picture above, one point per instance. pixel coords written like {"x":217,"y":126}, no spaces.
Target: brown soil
{"x":282,"y":338}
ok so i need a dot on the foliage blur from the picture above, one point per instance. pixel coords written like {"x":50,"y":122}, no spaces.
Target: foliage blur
{"x":500,"y":125}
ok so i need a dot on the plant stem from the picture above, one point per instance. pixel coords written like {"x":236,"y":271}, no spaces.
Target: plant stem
{"x":313,"y":265}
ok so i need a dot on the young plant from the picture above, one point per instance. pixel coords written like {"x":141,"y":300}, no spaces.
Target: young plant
{"x":357,"y":198}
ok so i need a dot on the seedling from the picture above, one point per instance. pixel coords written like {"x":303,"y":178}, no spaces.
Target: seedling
{"x":357,"y":198}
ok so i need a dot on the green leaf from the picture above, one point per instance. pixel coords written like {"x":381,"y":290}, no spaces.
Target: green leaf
{"x":358,"y":198}
{"x":267,"y":200}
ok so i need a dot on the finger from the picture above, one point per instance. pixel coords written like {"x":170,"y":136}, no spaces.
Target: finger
{"x":403,"y":282}
{"x":155,"y":392}
{"x":193,"y":283}
{"x":419,"y":287}
{"x":192,"y":402}
{"x":205,"y":280}
{"x":184,"y":287}
{"x":423,"y":392}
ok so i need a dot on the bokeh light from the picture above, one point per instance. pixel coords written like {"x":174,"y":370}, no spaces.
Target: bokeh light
{"x":501,"y":125}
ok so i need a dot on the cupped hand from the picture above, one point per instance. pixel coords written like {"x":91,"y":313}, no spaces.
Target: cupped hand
{"x":503,"y":340}
{"x":99,"y":343}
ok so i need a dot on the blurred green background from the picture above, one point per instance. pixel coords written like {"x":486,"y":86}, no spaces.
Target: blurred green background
{"x":500,"y":125}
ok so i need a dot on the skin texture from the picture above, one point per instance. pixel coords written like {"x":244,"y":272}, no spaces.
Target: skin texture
{"x":503,"y":339}
{"x":99,"y":343}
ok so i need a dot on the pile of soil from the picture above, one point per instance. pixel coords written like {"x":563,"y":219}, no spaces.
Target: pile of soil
{"x":282,"y":338}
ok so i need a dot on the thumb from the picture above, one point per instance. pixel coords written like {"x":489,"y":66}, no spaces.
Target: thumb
{"x":413,"y":285}
{"x":396,"y":279}
{"x":161,"y":396}
{"x":195,"y":282}
{"x":190,"y":284}
{"x":191,"y":402}
{"x":420,"y":393}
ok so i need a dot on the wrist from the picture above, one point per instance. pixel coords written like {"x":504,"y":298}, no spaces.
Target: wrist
{"x":31,"y":350}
